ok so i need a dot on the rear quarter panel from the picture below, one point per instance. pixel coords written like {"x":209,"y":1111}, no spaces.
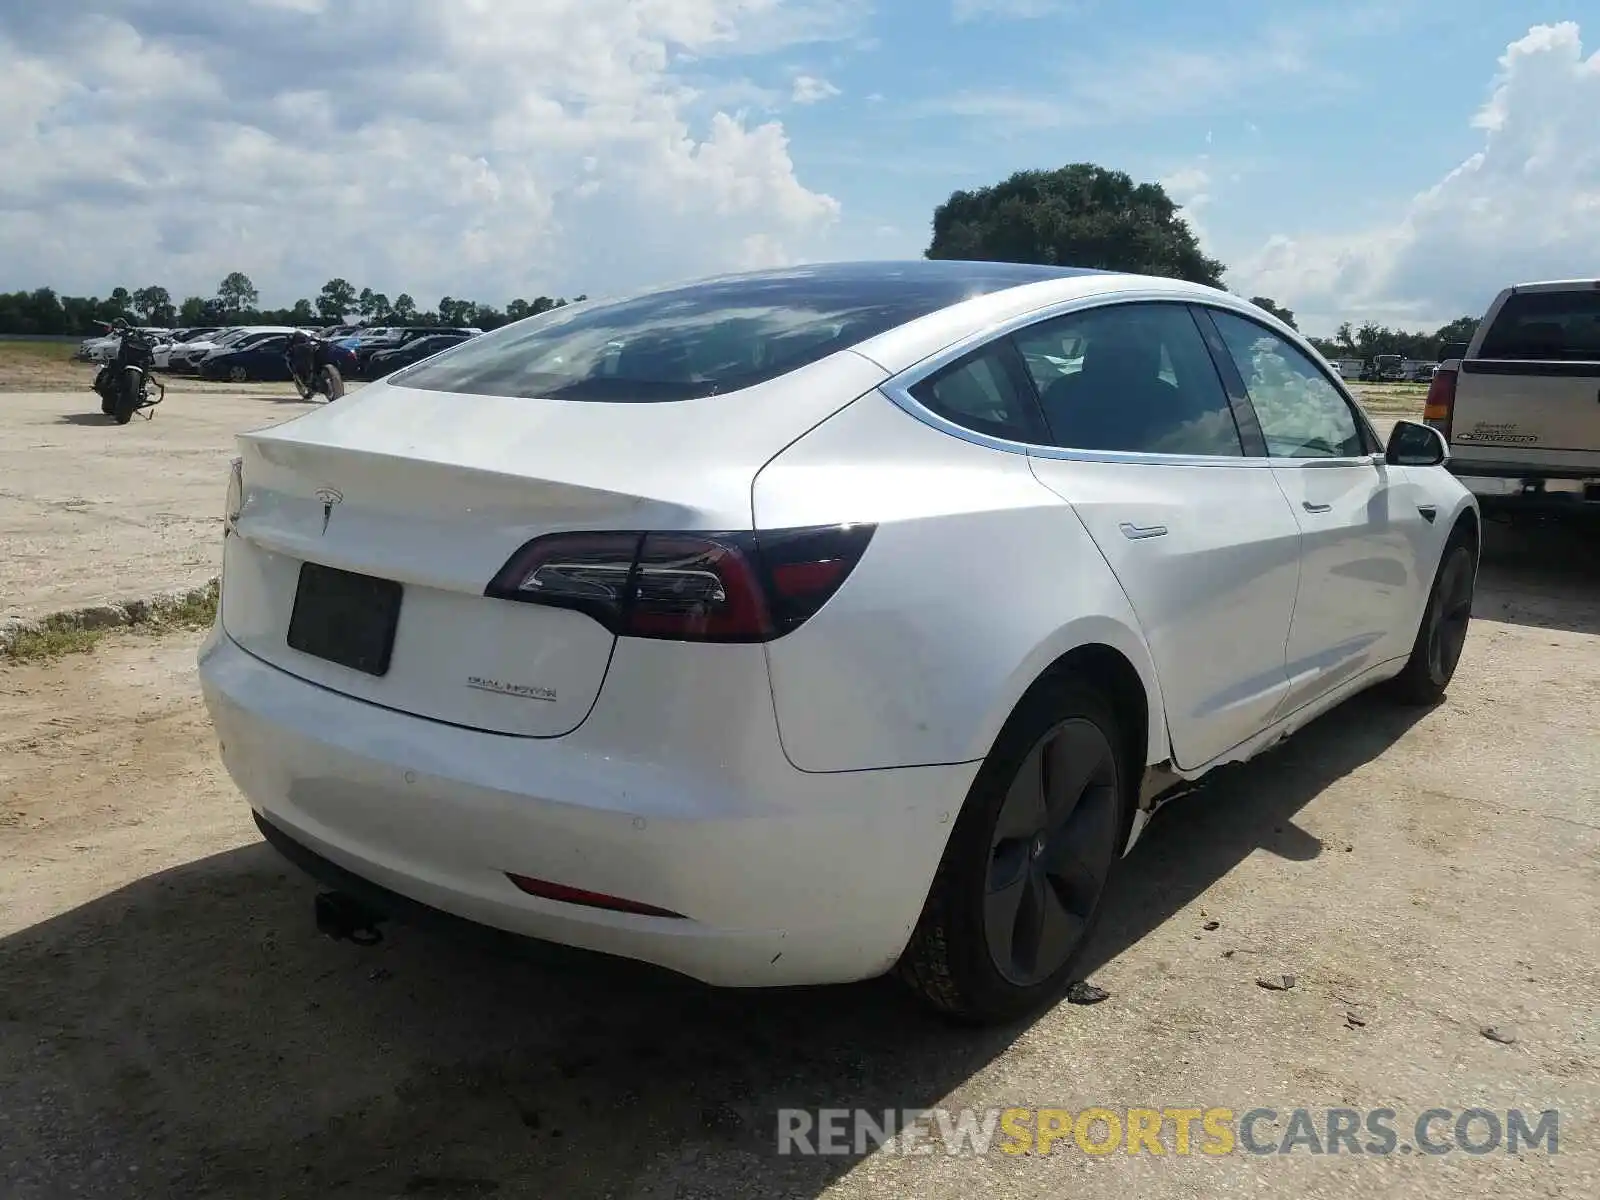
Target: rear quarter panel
{"x":977,"y":579}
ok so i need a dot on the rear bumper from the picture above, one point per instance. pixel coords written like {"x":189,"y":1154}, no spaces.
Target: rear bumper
{"x":783,"y":877}
{"x":1527,"y":485}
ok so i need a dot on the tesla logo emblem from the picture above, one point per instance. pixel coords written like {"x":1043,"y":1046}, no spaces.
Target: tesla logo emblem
{"x":329,"y":497}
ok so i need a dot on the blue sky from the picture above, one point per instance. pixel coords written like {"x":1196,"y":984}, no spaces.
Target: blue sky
{"x":1397,"y":160}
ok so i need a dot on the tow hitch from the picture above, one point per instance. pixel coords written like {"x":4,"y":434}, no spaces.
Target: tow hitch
{"x":345,"y":919}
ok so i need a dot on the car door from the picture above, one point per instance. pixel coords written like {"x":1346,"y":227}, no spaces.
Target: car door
{"x":1358,"y":516}
{"x":1146,"y":446}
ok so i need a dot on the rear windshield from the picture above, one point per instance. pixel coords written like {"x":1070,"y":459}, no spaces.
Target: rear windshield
{"x":1561,"y":326}
{"x":706,"y":338}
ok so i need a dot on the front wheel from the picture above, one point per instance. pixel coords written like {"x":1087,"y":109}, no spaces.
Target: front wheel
{"x":1017,"y":895}
{"x":1443,"y":632}
{"x":331,"y":383}
{"x":238,"y":375}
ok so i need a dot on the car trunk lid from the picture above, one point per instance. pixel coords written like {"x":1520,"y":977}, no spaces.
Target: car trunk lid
{"x":432,"y":493}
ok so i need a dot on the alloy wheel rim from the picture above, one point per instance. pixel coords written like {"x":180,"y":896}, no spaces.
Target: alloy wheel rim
{"x":1053,"y":845}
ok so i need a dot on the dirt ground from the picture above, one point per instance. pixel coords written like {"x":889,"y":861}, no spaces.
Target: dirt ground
{"x":171,"y":1024}
{"x":92,"y":512}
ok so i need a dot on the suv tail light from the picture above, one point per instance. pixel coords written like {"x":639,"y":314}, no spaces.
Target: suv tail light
{"x":1440,"y":406}
{"x":699,"y":587}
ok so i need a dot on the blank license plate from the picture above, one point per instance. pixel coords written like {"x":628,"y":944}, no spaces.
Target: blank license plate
{"x":345,"y":618}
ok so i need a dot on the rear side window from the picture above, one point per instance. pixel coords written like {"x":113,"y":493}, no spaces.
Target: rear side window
{"x":980,"y":393}
{"x":1560,"y":326}
{"x":1130,"y":377}
{"x":704,"y":339}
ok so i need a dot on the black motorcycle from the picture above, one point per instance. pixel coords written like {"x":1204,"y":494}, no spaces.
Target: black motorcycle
{"x":312,"y":369}
{"x":125,"y":384}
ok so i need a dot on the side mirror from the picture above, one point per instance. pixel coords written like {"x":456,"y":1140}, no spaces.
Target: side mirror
{"x":1413,"y":444}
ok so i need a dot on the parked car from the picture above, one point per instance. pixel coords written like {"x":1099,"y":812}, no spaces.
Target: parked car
{"x":162,"y":351}
{"x":259,"y":358}
{"x":379,"y":341}
{"x":1518,"y":403}
{"x":238,"y":339}
{"x":187,"y":356}
{"x":787,"y":628}
{"x":103,"y":349}
{"x":417,"y":349}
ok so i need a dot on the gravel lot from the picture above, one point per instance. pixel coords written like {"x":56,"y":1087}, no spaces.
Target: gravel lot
{"x":170,"y":1024}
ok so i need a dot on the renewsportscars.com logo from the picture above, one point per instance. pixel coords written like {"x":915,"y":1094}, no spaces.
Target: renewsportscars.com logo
{"x":1180,"y":1132}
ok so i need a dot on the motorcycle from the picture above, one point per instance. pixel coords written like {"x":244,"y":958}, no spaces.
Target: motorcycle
{"x":312,"y":371}
{"x":124,"y":384}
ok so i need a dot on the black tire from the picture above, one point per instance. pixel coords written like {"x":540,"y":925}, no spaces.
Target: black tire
{"x":127,"y":395}
{"x":238,"y":374}
{"x":1443,"y":630}
{"x":305,"y":390}
{"x":967,"y":958}
{"x":332,"y":383}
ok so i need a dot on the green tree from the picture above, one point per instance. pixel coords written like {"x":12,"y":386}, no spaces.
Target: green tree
{"x":1286,"y":315}
{"x":1081,"y":215}
{"x":373,"y":306}
{"x":236,"y":294}
{"x":336,"y":300}
{"x":154,"y":305}
{"x":302,"y":313}
{"x":405,"y":308}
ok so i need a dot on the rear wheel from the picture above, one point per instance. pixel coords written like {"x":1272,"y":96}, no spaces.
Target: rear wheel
{"x":1018,"y":893}
{"x":129,"y":388}
{"x":332,"y":384}
{"x":1443,"y":632}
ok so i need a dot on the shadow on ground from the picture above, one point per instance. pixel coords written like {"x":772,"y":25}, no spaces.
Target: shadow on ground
{"x":1543,"y":572}
{"x":85,"y":418}
{"x":191,"y":1035}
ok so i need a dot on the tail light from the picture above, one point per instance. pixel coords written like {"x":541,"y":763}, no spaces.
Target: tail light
{"x":717,"y":587}
{"x":1440,"y":406}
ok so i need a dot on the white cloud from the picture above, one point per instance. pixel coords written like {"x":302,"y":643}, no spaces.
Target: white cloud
{"x":488,"y":148}
{"x":808,"y":89}
{"x":1525,"y":206}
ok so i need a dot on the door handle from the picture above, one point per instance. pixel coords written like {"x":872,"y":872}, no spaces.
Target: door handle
{"x":1137,"y":533}
{"x":1316,"y":508}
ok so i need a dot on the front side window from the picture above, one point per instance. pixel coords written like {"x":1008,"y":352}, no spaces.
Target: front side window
{"x":1130,"y":377}
{"x":1302,"y":414}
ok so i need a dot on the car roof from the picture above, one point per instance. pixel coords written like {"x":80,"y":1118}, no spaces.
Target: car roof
{"x":1025,"y":292}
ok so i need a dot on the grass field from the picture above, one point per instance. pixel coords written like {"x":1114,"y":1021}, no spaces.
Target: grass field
{"x":41,"y":366}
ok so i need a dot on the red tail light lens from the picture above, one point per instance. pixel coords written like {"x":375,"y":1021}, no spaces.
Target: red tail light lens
{"x":721,"y":587}
{"x":1441,"y":403}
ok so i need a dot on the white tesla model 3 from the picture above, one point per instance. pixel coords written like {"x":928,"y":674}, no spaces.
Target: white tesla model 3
{"x":797,"y":626}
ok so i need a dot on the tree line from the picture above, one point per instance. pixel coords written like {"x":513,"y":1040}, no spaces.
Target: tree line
{"x":237,"y":302}
{"x":1078,"y":215}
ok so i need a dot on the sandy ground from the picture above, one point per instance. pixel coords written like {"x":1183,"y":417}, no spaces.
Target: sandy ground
{"x":170,"y":1024}
{"x":92,"y":512}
